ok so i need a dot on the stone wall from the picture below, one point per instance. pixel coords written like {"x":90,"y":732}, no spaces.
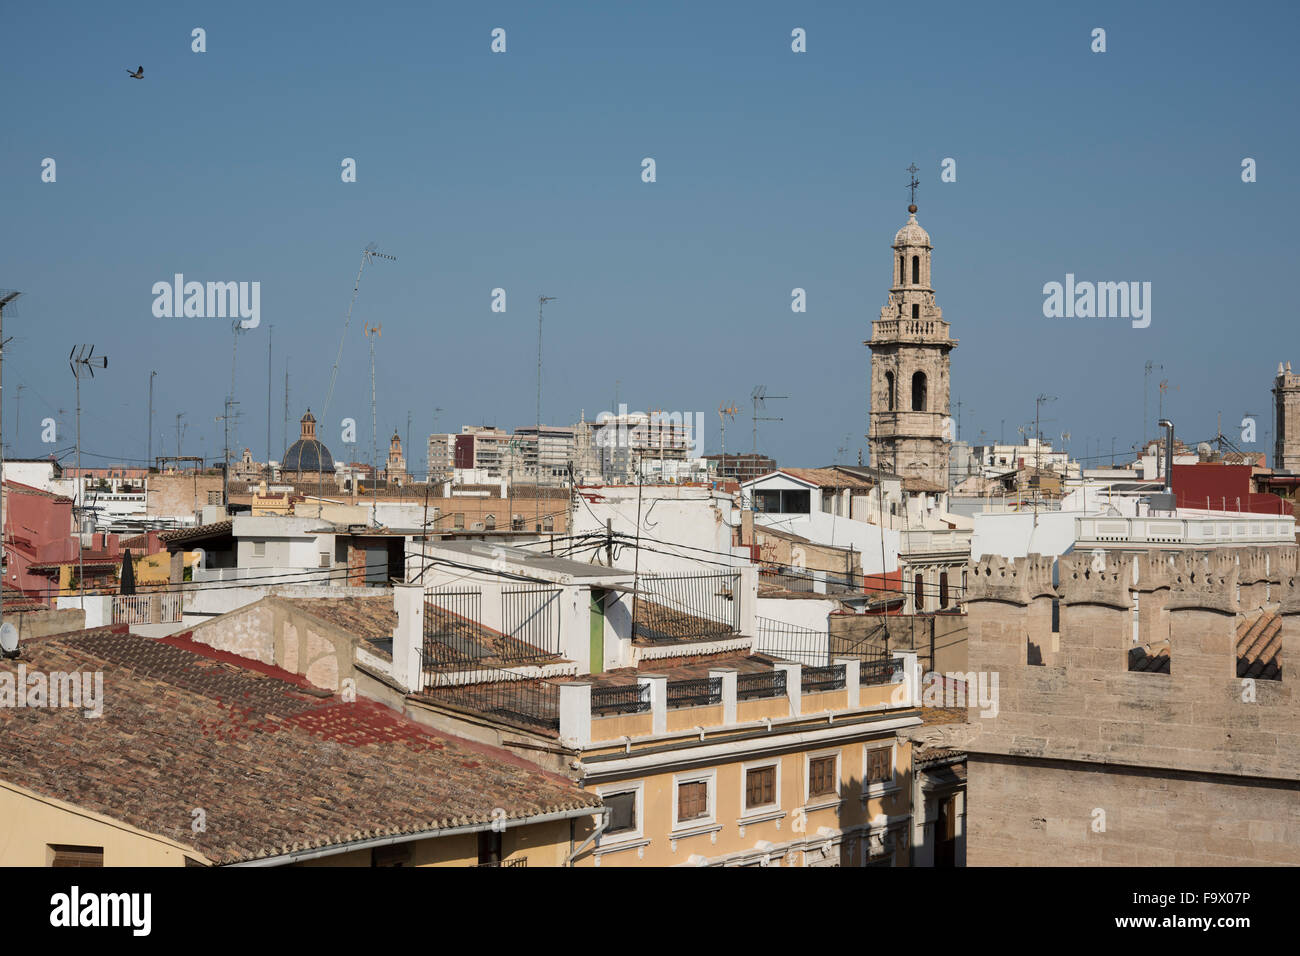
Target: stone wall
{"x":1087,"y":762}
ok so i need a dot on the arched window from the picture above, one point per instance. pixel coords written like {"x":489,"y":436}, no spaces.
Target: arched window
{"x":918,"y":392}
{"x":916,"y":310}
{"x":489,"y":522}
{"x":889,"y":387}
{"x":916,"y":270}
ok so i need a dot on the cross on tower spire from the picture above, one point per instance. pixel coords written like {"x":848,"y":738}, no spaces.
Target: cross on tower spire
{"x":912,"y":186}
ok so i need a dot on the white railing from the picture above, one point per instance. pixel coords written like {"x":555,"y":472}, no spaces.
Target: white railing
{"x":1237,"y":529}
{"x":139,"y":608}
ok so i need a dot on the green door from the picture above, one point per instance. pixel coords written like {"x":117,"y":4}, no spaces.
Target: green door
{"x":597,"y":630}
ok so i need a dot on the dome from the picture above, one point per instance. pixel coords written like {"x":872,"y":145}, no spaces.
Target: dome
{"x":308,"y":454}
{"x":912,"y":234}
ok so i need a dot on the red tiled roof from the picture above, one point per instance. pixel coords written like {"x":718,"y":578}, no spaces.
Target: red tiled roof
{"x":20,"y":489}
{"x":276,"y":764}
{"x":1152,"y":658}
{"x":1259,"y":646}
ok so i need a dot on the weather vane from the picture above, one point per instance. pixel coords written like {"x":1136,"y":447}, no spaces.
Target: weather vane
{"x":912,"y":186}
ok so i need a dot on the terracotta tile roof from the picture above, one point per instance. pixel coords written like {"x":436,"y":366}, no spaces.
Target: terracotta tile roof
{"x":1152,"y":658}
{"x":922,"y":486}
{"x":276,"y":764}
{"x":370,"y":618}
{"x":17,"y":602}
{"x":201,"y":531}
{"x":19,"y":488}
{"x":828,"y":478}
{"x":1259,"y":646}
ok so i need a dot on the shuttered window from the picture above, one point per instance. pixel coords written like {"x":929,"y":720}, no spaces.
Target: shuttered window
{"x":760,"y":787}
{"x":692,"y":800}
{"x":822,"y":778}
{"x":880,"y":765}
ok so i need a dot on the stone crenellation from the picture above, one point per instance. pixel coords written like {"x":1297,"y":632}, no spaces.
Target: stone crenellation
{"x":1079,"y":734}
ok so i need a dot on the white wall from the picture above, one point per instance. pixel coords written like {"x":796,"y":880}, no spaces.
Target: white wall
{"x":696,"y":523}
{"x":843,"y":533}
{"x":1008,"y":534}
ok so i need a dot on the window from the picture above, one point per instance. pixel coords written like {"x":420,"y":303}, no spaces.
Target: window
{"x":943,"y":589}
{"x":783,"y":501}
{"x":61,"y":854}
{"x":919,"y":589}
{"x":823,"y":776}
{"x":902,"y":270}
{"x":916,"y":310}
{"x":548,"y":523}
{"x":880,"y":765}
{"x":622,"y":812}
{"x":692,"y":801}
{"x":916,"y":270}
{"x":490,"y":522}
{"x":259,"y":549}
{"x":889,"y":388}
{"x":489,"y":847}
{"x":918,"y":392}
{"x":214,"y":497}
{"x":324,"y":559}
{"x":760,"y":787}
{"x":458,"y":521}
{"x":517,"y":523}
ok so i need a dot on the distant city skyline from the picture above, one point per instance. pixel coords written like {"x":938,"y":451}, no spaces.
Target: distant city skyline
{"x":522,"y":171}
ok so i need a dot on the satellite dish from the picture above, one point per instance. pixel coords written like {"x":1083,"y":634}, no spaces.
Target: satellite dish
{"x":8,"y":639}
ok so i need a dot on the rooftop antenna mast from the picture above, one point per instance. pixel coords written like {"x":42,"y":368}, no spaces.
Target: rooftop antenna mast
{"x":725,"y":411}
{"x":758,"y":398}
{"x":1146,"y":388}
{"x":82,"y":358}
{"x":7,"y":298}
{"x":373,"y":332}
{"x":541,"y":302}
{"x":370,"y":252}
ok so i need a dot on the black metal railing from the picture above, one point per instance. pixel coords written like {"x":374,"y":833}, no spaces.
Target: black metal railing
{"x":620,"y":699}
{"x":697,"y":692}
{"x":879,"y":669}
{"x":453,"y":635}
{"x":816,"y":679}
{"x":502,"y":694}
{"x":530,"y":616}
{"x":803,"y":645}
{"x":686,"y":607}
{"x":761,"y":685}
{"x":517,"y":861}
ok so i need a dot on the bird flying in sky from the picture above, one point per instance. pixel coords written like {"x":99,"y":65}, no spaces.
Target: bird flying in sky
{"x":138,"y":74}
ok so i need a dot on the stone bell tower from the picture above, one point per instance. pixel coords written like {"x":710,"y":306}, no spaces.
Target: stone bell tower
{"x":910,"y":432}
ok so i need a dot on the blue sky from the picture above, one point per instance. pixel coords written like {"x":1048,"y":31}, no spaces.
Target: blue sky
{"x":522,"y":171}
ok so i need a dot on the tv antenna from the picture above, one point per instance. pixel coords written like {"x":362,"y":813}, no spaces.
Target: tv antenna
{"x":725,"y":411}
{"x":759,"y":397}
{"x":81,"y":359}
{"x":373,"y":332}
{"x":370,"y":252}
